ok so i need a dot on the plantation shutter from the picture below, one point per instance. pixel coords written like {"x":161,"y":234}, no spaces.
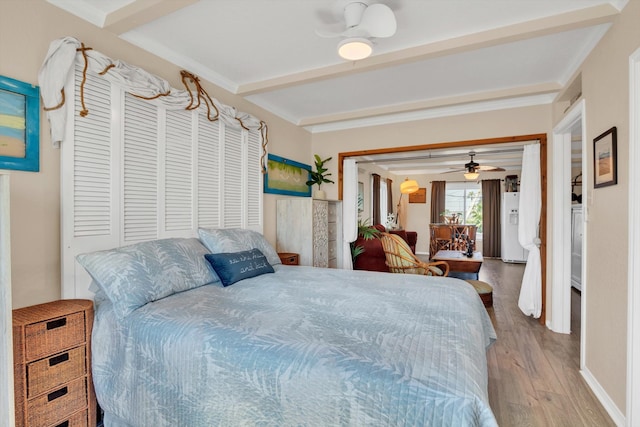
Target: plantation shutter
{"x":134,"y":171}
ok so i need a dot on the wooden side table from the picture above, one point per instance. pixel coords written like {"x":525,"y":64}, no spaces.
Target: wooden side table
{"x":458,"y":262}
{"x":289,"y":258}
{"x":52,"y":364}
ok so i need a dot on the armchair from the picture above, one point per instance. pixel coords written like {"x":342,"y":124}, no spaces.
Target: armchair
{"x":373,"y":257}
{"x":400,"y":259}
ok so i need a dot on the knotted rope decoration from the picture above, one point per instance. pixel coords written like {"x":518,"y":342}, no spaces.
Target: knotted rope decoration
{"x":201,"y":94}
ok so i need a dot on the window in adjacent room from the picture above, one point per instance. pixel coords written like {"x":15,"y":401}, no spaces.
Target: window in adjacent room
{"x":465,"y":199}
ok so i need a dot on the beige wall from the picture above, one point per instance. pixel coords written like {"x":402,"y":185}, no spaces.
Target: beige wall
{"x":605,"y":89}
{"x":26,"y":29}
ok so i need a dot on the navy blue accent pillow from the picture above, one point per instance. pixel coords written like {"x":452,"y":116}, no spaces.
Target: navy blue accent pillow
{"x":236,"y":266}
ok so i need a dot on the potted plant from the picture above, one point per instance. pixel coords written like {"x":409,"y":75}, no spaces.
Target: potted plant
{"x":319,"y":176}
{"x":365,"y":232}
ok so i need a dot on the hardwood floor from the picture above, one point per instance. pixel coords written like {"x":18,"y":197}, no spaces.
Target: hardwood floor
{"x":534,"y":377}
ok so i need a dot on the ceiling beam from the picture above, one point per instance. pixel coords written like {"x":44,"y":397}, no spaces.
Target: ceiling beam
{"x":141,"y":12}
{"x":537,"y":89}
{"x":582,"y":18}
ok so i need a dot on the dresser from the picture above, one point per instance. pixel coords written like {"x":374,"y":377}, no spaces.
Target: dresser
{"x":311,"y":228}
{"x":52,"y":364}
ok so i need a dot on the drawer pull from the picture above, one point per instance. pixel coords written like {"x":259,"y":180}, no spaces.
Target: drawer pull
{"x":58,"y":323}
{"x":64,"y":424}
{"x":56,"y":394}
{"x":58,"y":359}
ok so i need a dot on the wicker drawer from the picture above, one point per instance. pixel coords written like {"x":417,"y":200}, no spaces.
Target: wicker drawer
{"x":53,"y":336}
{"x":79,"y":419}
{"x":45,"y":410}
{"x":48,"y":373}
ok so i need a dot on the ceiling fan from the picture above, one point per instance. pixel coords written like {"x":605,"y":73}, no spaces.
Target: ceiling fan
{"x":363,"y":20}
{"x":472,"y":169}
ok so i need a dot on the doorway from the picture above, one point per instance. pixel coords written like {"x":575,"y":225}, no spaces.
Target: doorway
{"x":573,"y":126}
{"x":633,"y":328}
{"x":541,"y":138}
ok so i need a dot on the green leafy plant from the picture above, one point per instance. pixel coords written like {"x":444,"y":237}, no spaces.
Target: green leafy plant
{"x":319,"y":176}
{"x":366,"y":232}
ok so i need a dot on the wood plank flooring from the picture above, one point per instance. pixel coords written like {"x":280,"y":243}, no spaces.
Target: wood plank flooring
{"x":534,"y":377}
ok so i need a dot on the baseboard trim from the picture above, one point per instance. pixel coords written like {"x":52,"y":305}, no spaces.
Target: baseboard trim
{"x":611,"y":408}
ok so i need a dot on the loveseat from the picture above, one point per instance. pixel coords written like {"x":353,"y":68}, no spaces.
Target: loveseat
{"x":373,"y":258}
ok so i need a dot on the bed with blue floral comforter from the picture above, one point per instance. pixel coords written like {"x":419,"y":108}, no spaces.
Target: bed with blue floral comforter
{"x":302,"y":346}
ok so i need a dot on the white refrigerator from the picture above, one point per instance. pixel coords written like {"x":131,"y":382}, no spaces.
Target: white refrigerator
{"x":511,"y":250}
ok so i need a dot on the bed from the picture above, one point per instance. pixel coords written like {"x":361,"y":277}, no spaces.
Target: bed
{"x":297,"y":346}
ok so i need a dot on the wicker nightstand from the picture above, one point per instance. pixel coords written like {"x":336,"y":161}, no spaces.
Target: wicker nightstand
{"x":289,"y":258}
{"x":52,"y":364}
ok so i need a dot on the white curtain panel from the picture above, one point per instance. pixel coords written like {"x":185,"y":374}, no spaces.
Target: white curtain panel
{"x":530,"y":301}
{"x":349,"y":209}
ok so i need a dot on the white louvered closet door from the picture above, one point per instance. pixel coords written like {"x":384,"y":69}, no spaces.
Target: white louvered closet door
{"x":133,"y":171}
{"x":140,"y":161}
{"x":89,"y":193}
{"x":232,"y":178}
{"x":178,"y":174}
{"x":208,"y":161}
{"x":254,"y":181}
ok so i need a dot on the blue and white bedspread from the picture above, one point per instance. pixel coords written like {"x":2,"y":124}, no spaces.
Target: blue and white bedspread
{"x":301,"y":347}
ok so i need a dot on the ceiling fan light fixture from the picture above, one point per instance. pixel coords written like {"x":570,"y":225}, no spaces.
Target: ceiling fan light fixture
{"x":471,"y":175}
{"x":355,"y":48}
{"x":409,"y":186}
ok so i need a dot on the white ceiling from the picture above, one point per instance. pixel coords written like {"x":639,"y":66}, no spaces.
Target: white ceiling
{"x":446,"y":57}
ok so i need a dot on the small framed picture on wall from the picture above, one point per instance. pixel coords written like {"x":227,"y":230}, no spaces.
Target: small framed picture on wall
{"x":605,"y":159}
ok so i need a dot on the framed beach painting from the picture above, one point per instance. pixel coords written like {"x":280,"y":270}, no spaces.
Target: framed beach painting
{"x":287,"y":177}
{"x":19,"y":125}
{"x":605,"y":159}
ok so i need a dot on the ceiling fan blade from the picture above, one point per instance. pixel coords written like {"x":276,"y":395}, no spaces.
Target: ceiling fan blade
{"x":488,"y":168}
{"x":329,"y":34}
{"x":378,"y":20}
{"x":457,"y":170}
